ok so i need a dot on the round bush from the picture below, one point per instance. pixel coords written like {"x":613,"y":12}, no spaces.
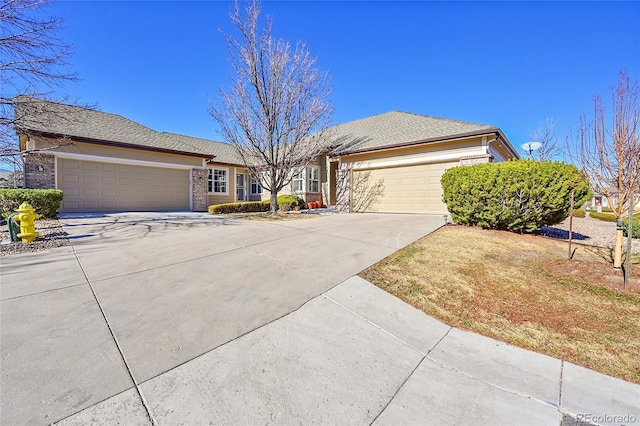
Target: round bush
{"x":519,"y":196}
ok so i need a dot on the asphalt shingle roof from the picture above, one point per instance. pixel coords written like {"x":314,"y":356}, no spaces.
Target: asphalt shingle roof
{"x":380,"y":131}
{"x":72,"y":121}
{"x":223,"y":152}
{"x":397,"y":128}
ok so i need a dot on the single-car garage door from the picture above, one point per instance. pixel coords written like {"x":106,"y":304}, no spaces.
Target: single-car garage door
{"x":409,"y":189}
{"x":91,"y":186}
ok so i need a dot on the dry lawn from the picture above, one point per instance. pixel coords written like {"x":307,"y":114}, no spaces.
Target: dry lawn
{"x":521,"y":289}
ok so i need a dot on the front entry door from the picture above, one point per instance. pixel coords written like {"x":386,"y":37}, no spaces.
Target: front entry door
{"x":241,"y":192}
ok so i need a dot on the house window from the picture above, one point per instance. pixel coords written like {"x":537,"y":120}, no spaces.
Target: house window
{"x":314,"y":179}
{"x":256,"y":188}
{"x":298,"y":181}
{"x":218,"y":181}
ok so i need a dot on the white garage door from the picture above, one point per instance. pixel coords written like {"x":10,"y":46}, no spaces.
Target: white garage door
{"x":91,"y":186}
{"x":410,"y":189}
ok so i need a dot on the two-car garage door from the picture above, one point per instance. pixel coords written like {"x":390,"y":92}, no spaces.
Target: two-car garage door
{"x":406,"y":189}
{"x":91,"y":186}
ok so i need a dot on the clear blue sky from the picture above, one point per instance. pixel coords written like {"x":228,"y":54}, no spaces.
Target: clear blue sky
{"x":510,"y":64}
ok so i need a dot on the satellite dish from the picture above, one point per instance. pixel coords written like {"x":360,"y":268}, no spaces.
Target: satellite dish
{"x":531,"y":146}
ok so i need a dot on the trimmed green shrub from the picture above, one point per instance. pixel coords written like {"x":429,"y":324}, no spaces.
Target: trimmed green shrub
{"x":285,"y":202}
{"x":578,"y":213}
{"x":243,"y":207}
{"x":289,"y":202}
{"x":605,"y":217}
{"x":45,"y":202}
{"x":519,"y":196}
{"x":635,"y":226}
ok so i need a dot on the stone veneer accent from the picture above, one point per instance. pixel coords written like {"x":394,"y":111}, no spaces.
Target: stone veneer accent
{"x":200,"y":197}
{"x":45,"y":179}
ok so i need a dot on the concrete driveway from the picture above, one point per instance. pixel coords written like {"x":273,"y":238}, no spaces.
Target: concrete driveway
{"x":194,"y":319}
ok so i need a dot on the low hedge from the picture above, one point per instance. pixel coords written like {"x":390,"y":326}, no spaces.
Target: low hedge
{"x":241,"y":207}
{"x":45,"y":202}
{"x":285,"y":202}
{"x":578,"y":213}
{"x":606,"y":217}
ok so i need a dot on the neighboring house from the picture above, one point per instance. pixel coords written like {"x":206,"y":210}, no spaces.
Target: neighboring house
{"x":104,"y":162}
{"x":600,"y":201}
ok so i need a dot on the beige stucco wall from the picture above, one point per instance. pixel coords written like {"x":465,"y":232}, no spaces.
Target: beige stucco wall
{"x":230,"y":196}
{"x":81,"y":148}
{"x":319,"y":161}
{"x":414,"y":154}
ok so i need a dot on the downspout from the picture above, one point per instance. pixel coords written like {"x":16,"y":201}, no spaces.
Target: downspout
{"x":497,"y":137}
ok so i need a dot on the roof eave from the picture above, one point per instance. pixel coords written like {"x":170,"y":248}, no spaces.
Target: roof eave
{"x":118,"y":144}
{"x":490,"y":130}
{"x":508,"y":144}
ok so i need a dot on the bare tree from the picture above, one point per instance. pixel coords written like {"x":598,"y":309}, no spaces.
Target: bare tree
{"x":356,"y":191}
{"x":276,"y":113}
{"x":609,"y":154}
{"x":547,"y":135}
{"x":31,"y":61}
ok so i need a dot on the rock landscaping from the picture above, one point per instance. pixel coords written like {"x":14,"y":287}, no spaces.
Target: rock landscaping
{"x":51,"y":235}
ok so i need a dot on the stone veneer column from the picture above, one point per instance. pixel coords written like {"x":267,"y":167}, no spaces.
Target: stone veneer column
{"x":199,"y":194}
{"x":40,"y":171}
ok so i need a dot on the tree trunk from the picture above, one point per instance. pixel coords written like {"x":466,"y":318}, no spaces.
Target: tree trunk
{"x":274,"y":193}
{"x":617,"y":249}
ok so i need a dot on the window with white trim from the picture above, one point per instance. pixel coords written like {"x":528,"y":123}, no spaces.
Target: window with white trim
{"x":314,"y":179}
{"x":218,"y":181}
{"x":256,"y":188}
{"x":298,"y":181}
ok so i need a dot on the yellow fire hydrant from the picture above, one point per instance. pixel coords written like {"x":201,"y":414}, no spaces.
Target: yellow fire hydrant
{"x":27,"y":216}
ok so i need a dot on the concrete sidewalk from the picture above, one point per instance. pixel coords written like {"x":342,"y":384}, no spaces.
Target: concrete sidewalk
{"x":192,"y":320}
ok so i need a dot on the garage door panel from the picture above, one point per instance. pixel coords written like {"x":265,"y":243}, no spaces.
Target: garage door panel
{"x":410,"y":189}
{"x":96,"y":186}
{"x":90,"y":192}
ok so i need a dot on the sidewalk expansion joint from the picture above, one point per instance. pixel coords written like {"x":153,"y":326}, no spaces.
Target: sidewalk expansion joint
{"x":43,"y":291}
{"x":493,"y":385}
{"x":115,"y":339}
{"x":232,"y":340}
{"x":398,"y":390}
{"x":376,"y":325}
{"x":440,"y":341}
